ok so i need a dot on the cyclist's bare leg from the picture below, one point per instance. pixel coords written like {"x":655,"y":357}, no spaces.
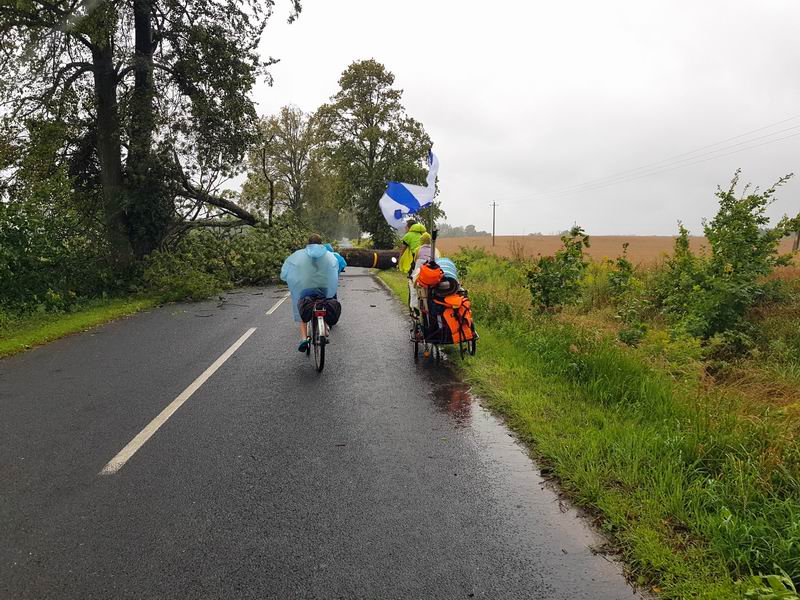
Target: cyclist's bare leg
{"x":303,"y":331}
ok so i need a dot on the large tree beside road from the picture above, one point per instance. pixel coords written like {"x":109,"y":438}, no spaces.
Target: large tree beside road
{"x":371,"y":140}
{"x":140,"y":106}
{"x":281,"y":162}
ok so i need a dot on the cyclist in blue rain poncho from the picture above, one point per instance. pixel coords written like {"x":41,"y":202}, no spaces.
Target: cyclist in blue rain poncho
{"x":310,"y":272}
{"x":339,"y":257}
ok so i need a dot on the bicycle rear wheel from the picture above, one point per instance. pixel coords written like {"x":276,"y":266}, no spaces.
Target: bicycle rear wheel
{"x":318,"y":340}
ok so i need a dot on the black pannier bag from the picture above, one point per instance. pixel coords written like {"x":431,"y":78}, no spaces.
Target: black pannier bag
{"x":333,"y":309}
{"x":436,"y":330}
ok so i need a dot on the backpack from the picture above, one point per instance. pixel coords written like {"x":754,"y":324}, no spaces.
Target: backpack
{"x":429,"y":275}
{"x":457,"y":314}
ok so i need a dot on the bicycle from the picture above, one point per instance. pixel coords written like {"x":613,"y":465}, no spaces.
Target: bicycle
{"x":317,"y":336}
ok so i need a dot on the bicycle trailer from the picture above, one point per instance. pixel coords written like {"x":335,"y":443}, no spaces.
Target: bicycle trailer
{"x":443,"y":315}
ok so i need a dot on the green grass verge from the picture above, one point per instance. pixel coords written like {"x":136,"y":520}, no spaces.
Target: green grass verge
{"x":696,"y":497}
{"x":38,"y":329}
{"x":396,"y":282}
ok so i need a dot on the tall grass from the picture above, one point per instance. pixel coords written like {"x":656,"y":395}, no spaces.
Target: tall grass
{"x":699,"y":488}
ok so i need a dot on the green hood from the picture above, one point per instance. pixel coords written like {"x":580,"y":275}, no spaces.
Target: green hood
{"x":418,"y":228}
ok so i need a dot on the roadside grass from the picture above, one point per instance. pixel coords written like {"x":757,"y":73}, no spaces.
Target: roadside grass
{"x":698,"y":486}
{"x":37,"y":329}
{"x":396,"y":282}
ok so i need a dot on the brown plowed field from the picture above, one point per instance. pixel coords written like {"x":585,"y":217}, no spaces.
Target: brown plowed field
{"x":642,"y":249}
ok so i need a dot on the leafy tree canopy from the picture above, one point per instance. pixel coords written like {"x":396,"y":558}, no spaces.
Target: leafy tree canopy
{"x":280,"y":161}
{"x":143,"y":103}
{"x":371,"y":140}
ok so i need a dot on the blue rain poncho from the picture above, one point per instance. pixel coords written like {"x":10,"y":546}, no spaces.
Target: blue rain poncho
{"x":312,"y":270}
{"x":339,"y":257}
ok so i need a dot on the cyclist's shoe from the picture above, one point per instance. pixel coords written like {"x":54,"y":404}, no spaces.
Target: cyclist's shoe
{"x":303,"y":347}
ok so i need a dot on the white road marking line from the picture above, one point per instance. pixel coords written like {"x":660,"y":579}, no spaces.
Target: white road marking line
{"x":277,"y":304}
{"x":116,"y":463}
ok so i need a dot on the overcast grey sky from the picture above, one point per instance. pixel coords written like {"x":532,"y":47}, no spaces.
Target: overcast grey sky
{"x":524,"y":99}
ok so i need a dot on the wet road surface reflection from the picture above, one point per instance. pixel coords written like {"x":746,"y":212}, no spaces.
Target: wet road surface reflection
{"x":529,"y":504}
{"x":455,"y":399}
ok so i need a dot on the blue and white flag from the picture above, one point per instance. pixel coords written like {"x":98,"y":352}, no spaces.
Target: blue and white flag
{"x":403,"y":199}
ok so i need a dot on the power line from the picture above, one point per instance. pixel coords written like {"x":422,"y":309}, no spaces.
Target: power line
{"x":735,"y":137}
{"x":669,"y":166}
{"x":687,"y":154}
{"x":623,"y":176}
{"x":656,"y":172}
{"x":666,"y":164}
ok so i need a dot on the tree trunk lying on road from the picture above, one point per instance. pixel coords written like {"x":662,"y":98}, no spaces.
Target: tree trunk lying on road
{"x":372,"y":259}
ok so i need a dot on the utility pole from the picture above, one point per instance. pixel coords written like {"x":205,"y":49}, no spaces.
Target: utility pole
{"x":494,"y":206}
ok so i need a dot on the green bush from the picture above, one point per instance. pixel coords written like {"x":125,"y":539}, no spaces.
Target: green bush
{"x":466,"y":256}
{"x":206,"y":261}
{"x":556,"y":280}
{"x":5,"y":319}
{"x":51,"y":257}
{"x":596,"y":286}
{"x":632,"y":334}
{"x":180,"y":275}
{"x":621,"y":277}
{"x":707,"y":295}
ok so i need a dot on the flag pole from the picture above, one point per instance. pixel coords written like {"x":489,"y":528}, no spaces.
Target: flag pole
{"x":432,"y":223}
{"x":433,"y":234}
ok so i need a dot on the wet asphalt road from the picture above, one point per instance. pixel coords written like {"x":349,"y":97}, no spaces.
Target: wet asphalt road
{"x":377,"y":479}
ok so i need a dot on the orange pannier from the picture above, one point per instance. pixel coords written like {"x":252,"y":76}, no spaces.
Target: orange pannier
{"x":429,"y":276}
{"x":457,"y":314}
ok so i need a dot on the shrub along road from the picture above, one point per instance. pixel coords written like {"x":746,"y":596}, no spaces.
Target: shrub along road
{"x":376,"y":479}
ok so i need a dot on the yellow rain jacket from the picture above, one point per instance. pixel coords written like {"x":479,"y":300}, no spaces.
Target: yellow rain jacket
{"x":412,"y":242}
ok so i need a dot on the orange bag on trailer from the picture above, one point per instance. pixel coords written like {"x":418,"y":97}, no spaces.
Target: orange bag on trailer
{"x":429,"y":276}
{"x":457,"y":314}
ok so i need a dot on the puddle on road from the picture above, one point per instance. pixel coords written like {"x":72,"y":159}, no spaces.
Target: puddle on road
{"x":455,"y":399}
{"x":569,"y":546}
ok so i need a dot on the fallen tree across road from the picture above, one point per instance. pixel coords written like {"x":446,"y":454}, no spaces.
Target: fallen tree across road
{"x":371,"y":259}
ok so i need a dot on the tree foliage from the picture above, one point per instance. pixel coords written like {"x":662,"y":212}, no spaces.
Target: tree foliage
{"x":210,"y":259}
{"x":447,"y":230}
{"x":145,"y":103}
{"x":280,"y":162}
{"x":330,"y":168}
{"x":710,"y":295}
{"x":555,"y":280}
{"x":371,"y":140}
{"x":50,"y":256}
{"x":326,"y":209}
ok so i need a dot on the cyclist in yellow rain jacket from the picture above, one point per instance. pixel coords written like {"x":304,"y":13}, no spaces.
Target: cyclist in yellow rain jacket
{"x":411,"y":242}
